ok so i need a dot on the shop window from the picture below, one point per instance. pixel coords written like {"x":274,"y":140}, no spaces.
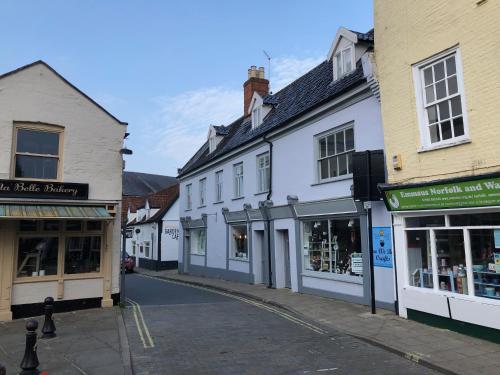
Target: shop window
{"x":425,"y":221}
{"x":37,"y":256}
{"x":198,"y":241}
{"x":333,"y":246}
{"x":335,"y":154}
{"x":37,"y":153}
{"x":239,"y":242}
{"x":83,"y":255}
{"x":94,"y":225}
{"x":74,"y":226}
{"x":419,"y":258}
{"x":147,"y":248}
{"x":51,"y":226}
{"x":485,"y":251}
{"x":450,"y":253}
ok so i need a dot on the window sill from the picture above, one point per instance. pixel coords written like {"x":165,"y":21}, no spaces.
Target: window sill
{"x":202,"y":206}
{"x":198,"y":254}
{"x":262,"y":193}
{"x":335,"y":179}
{"x":48,"y":278}
{"x":237,"y":199}
{"x":239,"y":259}
{"x":218,"y":202}
{"x":188,"y":209}
{"x":446,"y":145}
{"x":333,"y":276}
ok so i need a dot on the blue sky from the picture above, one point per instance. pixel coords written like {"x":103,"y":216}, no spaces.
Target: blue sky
{"x":172,"y":68}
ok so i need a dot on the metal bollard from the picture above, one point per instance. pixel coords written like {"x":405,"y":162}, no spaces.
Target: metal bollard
{"x":49,"y":328}
{"x":29,"y":364}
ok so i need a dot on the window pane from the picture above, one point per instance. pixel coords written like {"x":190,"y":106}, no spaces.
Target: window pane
{"x":316,"y":246}
{"x":37,"y":142}
{"x":346,"y":247}
{"x":83,"y":255}
{"x":440,"y":90}
{"x":419,"y":258}
{"x":475,"y":219}
{"x":322,"y":147}
{"x":94,"y":225}
{"x":339,"y":141}
{"x":452,"y":85}
{"x":37,"y":256}
{"x":446,"y":130}
{"x":456,"y":106}
{"x":330,"y":142}
{"x":450,"y":66}
{"x":342,"y":164}
{"x":486,"y":279}
{"x":339,"y":65}
{"x":346,"y":56}
{"x":239,"y":242}
{"x":444,"y":110}
{"x":323,"y":169}
{"x":439,"y":71}
{"x":432,"y":114}
{"x":334,"y":170}
{"x":450,"y":254}
{"x":428,"y":76}
{"x":458,"y":126}
{"x":74,"y":225}
{"x":198,"y":241}
{"x":27,"y":225}
{"x":349,"y":139}
{"x":429,"y":94}
{"x":434,"y":133}
{"x":36,"y":167}
{"x":51,"y":225}
{"x":424,"y":221}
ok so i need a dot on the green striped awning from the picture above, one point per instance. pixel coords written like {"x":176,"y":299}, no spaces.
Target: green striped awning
{"x":8,"y":211}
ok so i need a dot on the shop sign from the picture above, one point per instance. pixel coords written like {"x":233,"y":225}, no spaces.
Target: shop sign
{"x":473,"y":193}
{"x":357,"y":263}
{"x":43,"y":190}
{"x":129,"y":233}
{"x":497,"y":262}
{"x":382,"y":247}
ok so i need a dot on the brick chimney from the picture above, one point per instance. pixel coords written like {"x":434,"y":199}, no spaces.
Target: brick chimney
{"x":255,"y":82}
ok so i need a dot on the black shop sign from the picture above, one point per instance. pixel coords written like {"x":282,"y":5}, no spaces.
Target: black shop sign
{"x":43,"y":190}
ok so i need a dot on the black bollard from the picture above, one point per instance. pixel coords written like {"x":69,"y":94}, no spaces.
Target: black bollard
{"x":30,"y":362}
{"x":49,"y":328}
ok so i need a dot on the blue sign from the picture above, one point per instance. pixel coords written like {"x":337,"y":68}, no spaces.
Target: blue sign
{"x":382,"y":247}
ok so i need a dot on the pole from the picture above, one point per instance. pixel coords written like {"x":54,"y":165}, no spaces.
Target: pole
{"x":122,"y":278}
{"x":370,"y":230}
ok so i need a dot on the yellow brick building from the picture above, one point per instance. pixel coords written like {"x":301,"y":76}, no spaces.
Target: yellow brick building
{"x":438,"y":67}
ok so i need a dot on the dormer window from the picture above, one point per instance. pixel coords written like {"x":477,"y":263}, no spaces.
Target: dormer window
{"x":344,"y":62}
{"x":256,"y":117}
{"x":212,"y":144}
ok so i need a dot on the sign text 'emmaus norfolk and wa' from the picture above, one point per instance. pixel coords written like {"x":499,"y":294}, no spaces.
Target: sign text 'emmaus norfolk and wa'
{"x":473,"y":193}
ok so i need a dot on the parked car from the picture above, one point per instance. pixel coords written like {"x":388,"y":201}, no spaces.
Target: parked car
{"x":129,"y":263}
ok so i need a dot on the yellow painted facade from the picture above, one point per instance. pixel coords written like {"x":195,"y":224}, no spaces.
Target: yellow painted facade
{"x":409,"y":31}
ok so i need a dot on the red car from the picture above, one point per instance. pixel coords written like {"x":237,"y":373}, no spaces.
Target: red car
{"x":129,"y":263}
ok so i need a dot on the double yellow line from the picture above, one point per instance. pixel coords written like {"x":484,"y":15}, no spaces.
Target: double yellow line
{"x":142,"y":328}
{"x":262,"y":306}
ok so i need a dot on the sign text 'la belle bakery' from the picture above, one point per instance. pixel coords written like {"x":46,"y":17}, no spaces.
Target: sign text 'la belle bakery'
{"x":43,"y":190}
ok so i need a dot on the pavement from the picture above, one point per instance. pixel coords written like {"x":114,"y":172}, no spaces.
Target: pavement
{"x":91,"y":342}
{"x":180,"y":329}
{"x":439,"y":349}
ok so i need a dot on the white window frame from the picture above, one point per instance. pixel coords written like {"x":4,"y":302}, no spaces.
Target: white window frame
{"x":263,"y":173}
{"x":198,"y":233}
{"x":219,"y":186}
{"x":147,"y":249}
{"x":238,"y":190}
{"x":343,"y":70}
{"x":203,"y":192}
{"x":318,"y":157}
{"x":256,"y":117}
{"x":419,"y":84}
{"x":211,"y":144}
{"x":189,"y":197}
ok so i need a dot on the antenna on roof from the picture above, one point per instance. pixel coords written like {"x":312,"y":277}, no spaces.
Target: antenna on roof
{"x":268,"y":69}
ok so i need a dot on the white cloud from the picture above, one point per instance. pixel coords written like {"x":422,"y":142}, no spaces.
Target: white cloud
{"x":184,"y":118}
{"x":284,"y":70}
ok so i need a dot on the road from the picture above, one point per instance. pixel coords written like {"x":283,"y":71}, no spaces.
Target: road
{"x":175,"y":329}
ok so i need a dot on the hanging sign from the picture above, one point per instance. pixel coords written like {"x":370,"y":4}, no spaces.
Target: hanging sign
{"x":473,"y":193}
{"x":43,"y":190}
{"x":382,"y":247}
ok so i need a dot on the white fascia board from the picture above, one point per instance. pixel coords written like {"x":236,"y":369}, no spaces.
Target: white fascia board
{"x":342,"y":32}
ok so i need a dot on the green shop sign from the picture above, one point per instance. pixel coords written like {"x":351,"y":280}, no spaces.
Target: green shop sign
{"x":473,"y":193}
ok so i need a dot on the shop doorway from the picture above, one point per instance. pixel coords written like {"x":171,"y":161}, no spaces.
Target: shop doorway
{"x":283,"y":274}
{"x":259,"y":260}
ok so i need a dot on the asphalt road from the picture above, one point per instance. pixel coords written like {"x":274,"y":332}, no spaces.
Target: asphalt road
{"x":175,"y":329}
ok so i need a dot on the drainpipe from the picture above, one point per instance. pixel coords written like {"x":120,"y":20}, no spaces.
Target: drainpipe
{"x":268,"y":198}
{"x":160,"y":231}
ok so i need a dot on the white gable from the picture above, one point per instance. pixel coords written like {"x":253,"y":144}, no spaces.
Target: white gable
{"x":343,"y":37}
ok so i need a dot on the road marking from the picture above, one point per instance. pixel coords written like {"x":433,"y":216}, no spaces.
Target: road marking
{"x":142,"y":328}
{"x":321,"y":370}
{"x":262,"y":306}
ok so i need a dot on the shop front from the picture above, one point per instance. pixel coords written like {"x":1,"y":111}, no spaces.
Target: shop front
{"x":447,"y":244}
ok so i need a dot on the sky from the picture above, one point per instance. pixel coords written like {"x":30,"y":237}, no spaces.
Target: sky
{"x":172,"y":68}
